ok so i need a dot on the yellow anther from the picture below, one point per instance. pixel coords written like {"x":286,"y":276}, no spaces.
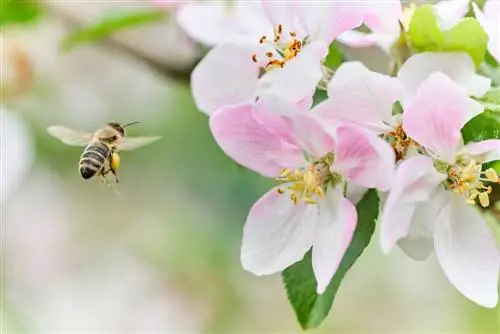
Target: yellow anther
{"x":280,"y":191}
{"x":309,"y":200}
{"x":491,"y":175}
{"x":484,"y":199}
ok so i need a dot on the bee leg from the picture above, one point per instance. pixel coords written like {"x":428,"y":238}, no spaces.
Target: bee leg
{"x":114,"y":163}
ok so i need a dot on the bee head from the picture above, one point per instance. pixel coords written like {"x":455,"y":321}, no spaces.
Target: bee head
{"x":118,"y":127}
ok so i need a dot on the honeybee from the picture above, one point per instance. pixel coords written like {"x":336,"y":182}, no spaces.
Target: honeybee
{"x":100,"y":155}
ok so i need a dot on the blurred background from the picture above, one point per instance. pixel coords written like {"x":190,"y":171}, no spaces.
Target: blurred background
{"x":161,"y":256}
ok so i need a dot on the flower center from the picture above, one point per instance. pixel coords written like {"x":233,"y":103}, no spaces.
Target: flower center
{"x":284,"y":47}
{"x":400,"y":142}
{"x":469,"y":181}
{"x":311,"y":183}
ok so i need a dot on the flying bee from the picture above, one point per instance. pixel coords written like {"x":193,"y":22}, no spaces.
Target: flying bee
{"x":100,"y":155}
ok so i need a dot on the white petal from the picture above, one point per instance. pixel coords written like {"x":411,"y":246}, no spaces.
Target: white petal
{"x":226,"y":76}
{"x":336,"y":222}
{"x":415,"y":182}
{"x":467,"y":252}
{"x":490,"y":21}
{"x":277,"y":233}
{"x":357,"y":39}
{"x":299,"y":77}
{"x":451,"y":11}
{"x":419,"y":243}
{"x":206,"y":22}
{"x":16,"y":153}
{"x":484,"y":151}
{"x":457,"y":65}
{"x":360,"y":96}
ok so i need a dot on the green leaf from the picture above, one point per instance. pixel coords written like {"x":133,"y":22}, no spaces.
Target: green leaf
{"x":334,"y":57}
{"x":467,"y":35}
{"x":491,"y":100}
{"x":300,"y":284}
{"x":484,"y":126}
{"x":319,"y":96}
{"x":110,"y":24}
{"x":18,"y":11}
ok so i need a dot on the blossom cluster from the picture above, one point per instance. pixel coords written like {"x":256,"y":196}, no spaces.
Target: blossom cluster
{"x":398,"y":134}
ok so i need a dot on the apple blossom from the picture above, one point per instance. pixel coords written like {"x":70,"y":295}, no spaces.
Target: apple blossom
{"x":489,"y":19}
{"x":308,"y":208}
{"x":430,"y":205}
{"x":281,"y":55}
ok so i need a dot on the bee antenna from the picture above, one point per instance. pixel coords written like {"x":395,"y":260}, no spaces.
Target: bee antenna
{"x":129,"y":124}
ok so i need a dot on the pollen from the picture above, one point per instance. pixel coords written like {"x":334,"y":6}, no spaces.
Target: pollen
{"x":309,"y":184}
{"x":400,"y":142}
{"x":468,"y":180}
{"x":286,"y":46}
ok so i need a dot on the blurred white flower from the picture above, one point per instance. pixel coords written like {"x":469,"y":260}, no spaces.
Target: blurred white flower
{"x":16,"y":152}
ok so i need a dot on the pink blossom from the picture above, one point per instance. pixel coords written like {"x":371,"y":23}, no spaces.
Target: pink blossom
{"x":308,"y":208}
{"x":280,"y":54}
{"x":489,"y":19}
{"x":385,"y":18}
{"x":430,"y":204}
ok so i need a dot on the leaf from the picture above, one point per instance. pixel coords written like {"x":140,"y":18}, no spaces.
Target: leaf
{"x":484,"y":126}
{"x":110,"y":24}
{"x":334,"y":57}
{"x":18,"y":11}
{"x":467,"y":35}
{"x":300,"y":284}
{"x":319,"y":96}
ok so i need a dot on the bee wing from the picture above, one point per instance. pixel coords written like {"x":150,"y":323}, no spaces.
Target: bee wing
{"x":69,"y":136}
{"x":131,"y":143}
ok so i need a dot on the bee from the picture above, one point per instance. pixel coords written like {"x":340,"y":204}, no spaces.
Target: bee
{"x":100,"y":155}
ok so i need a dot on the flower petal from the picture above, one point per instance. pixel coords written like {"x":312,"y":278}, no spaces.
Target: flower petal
{"x":419,"y":242}
{"x":436,"y":115}
{"x":226,"y":76}
{"x":299,"y":77}
{"x":451,"y":11}
{"x":383,"y":16}
{"x":250,"y":143}
{"x":206,"y":22}
{"x":490,"y":21}
{"x":336,"y":222}
{"x":457,"y":65}
{"x":484,"y":151}
{"x":363,"y":158}
{"x":360,"y":96}
{"x":277,"y":233}
{"x":414,"y":183}
{"x":467,"y":252}
{"x":357,"y":39}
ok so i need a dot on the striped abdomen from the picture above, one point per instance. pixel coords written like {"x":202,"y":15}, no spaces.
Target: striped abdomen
{"x":92,"y":159}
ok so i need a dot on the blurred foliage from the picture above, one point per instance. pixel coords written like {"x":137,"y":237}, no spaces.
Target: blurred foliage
{"x":467,"y":35}
{"x":311,"y":309}
{"x":18,"y":11}
{"x":110,"y":24}
{"x":484,"y":126}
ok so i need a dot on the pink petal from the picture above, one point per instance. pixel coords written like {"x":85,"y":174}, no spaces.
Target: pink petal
{"x":414,"y":183}
{"x":436,"y":115}
{"x":311,"y":136}
{"x":383,"y":16}
{"x":456,"y":65}
{"x":451,"y":11}
{"x":249,"y":143}
{"x":277,"y":233}
{"x":467,"y":252}
{"x":419,"y":241}
{"x":363,"y":158}
{"x":490,"y":21}
{"x":335,"y":225}
{"x":226,"y":76}
{"x":279,"y":13}
{"x":298,"y":79}
{"x":358,"y":95}
{"x":209,"y":23}
{"x":484,"y":151}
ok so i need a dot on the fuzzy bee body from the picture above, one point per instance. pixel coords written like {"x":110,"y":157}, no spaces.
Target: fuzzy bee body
{"x":100,"y":154}
{"x":93,"y":159}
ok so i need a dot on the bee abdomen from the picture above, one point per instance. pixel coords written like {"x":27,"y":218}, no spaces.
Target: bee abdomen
{"x":93,"y":159}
